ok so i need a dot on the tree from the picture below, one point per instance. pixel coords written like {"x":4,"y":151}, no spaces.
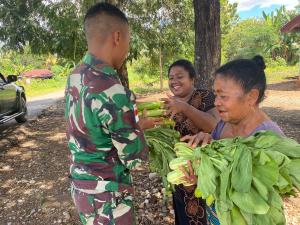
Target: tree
{"x":286,"y":45}
{"x":20,"y":23}
{"x":46,"y":26}
{"x":248,"y":38}
{"x":228,"y":16}
{"x":262,"y":36}
{"x":161,"y":31}
{"x":207,"y":40}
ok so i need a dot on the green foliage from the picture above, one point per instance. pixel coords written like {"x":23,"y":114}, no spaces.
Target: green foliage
{"x":277,"y":62}
{"x":246,"y":176}
{"x":262,"y":36}
{"x":12,"y":62}
{"x":62,"y":71}
{"x":160,"y":29}
{"x":46,"y":26}
{"x":57,"y":83}
{"x":229,"y":16}
{"x":287,"y":45}
{"x":281,"y":73}
{"x":21,"y":23}
{"x":39,"y":87}
{"x":142,"y":81}
{"x":163,"y":28}
{"x":161,"y":141}
{"x":248,"y":38}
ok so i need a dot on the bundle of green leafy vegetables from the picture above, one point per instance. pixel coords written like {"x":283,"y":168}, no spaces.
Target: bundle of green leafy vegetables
{"x":246,"y":177}
{"x":161,"y":141}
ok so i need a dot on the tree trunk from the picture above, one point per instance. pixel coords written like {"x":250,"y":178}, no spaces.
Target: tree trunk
{"x":207,"y":41}
{"x":161,"y":69}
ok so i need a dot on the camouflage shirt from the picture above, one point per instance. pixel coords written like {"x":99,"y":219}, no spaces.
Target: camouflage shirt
{"x":102,"y":132}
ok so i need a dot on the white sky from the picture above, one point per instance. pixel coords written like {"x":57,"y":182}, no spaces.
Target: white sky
{"x":244,"y":5}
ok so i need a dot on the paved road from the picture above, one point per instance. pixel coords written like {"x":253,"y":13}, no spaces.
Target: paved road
{"x":35,"y":106}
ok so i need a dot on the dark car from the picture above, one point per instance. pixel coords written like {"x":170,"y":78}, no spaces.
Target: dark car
{"x":12,"y":100}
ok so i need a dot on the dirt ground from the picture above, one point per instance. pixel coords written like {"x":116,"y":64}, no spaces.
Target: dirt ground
{"x":34,"y":186}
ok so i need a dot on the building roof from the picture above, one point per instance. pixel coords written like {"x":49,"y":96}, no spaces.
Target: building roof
{"x":38,"y":73}
{"x":292,"y":26}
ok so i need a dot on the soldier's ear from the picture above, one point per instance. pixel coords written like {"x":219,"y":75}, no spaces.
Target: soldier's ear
{"x":116,"y":35}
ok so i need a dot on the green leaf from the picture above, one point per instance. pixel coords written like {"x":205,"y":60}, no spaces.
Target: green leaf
{"x":207,"y":175}
{"x":294,"y":171}
{"x":268,"y":174}
{"x":288,"y":147}
{"x":261,"y":188}
{"x":280,"y":159}
{"x":223,"y":213}
{"x":242,"y":169}
{"x":284,"y":182}
{"x":275,"y":199}
{"x":236,"y":217}
{"x":250,"y":202}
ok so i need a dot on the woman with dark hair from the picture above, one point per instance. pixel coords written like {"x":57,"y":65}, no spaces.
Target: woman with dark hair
{"x":193,"y":111}
{"x":239,"y":87}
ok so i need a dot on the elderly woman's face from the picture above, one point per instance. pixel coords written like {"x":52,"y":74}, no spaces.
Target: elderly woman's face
{"x":232,"y":103}
{"x":180,"y":82}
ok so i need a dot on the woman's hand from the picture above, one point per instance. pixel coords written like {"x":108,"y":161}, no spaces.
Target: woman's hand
{"x":174,"y":106}
{"x":195,"y":140}
{"x":189,"y":174}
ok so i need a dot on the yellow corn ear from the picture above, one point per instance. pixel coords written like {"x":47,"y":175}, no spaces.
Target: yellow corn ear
{"x":149,"y":105}
{"x":154,"y":113}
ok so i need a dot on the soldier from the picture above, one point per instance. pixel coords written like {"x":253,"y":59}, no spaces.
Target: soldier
{"x":103,"y":132}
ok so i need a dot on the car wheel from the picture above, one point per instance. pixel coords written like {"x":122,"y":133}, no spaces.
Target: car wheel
{"x":23,"y":108}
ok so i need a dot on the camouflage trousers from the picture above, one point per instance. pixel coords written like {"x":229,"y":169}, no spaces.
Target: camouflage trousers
{"x":107,"y":208}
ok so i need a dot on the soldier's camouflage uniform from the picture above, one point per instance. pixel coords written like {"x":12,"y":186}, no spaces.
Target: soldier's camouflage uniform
{"x":105,"y":142}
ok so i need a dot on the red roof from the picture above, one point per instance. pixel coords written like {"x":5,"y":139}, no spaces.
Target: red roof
{"x":38,"y":73}
{"x":293,"y":25}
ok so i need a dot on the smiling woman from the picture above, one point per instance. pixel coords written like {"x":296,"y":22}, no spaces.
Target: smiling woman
{"x":193,"y":111}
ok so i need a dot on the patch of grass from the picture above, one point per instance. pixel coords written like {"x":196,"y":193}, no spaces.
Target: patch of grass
{"x":40,"y":87}
{"x":145,"y":83}
{"x":281,"y":73}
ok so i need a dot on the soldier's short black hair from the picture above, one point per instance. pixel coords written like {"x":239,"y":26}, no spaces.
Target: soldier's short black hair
{"x":107,"y":9}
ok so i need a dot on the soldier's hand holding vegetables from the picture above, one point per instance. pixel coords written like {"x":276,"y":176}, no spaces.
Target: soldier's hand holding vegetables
{"x":150,"y":122}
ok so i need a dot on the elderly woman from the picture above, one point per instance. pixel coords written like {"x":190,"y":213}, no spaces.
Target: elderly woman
{"x":193,"y":111}
{"x":239,"y":87}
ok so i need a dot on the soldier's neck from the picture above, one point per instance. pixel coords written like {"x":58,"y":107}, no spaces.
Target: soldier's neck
{"x":102,"y":53}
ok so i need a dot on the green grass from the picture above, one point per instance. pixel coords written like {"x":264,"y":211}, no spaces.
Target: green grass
{"x":281,"y":73}
{"x":145,"y":83}
{"x":39,"y":87}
